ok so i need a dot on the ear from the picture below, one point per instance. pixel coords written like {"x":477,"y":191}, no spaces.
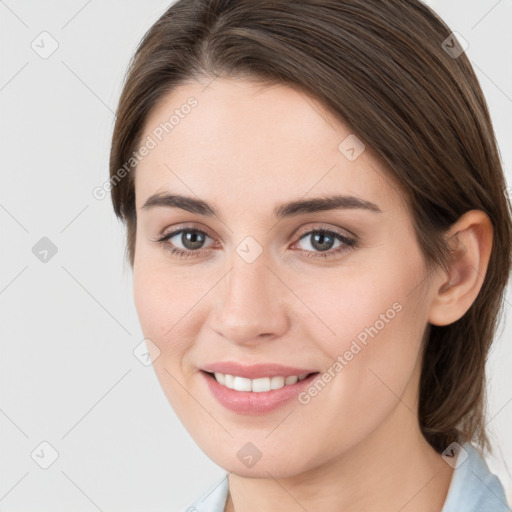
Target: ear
{"x":471,"y":241}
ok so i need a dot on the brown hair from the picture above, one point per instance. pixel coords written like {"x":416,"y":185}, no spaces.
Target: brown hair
{"x":391,"y":71}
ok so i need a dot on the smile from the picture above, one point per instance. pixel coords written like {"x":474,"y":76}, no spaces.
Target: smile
{"x":256,"y":396}
{"x":256,"y":385}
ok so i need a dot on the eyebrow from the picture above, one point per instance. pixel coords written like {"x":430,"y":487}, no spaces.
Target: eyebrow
{"x":289,"y":209}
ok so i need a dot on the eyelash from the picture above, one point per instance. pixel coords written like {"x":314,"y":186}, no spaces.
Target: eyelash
{"x":349,"y":243}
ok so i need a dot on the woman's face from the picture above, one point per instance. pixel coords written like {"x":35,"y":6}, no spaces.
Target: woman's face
{"x":264,"y":288}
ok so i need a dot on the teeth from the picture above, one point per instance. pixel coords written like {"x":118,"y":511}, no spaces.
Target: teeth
{"x":256,"y":385}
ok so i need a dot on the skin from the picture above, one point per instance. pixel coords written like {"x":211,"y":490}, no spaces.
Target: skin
{"x":357,"y":445}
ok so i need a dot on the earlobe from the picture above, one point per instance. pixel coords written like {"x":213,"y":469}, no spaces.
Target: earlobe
{"x":471,"y":242}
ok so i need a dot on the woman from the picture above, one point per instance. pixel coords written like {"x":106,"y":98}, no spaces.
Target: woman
{"x":320,"y":239}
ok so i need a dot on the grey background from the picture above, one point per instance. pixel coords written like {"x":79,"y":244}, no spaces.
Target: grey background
{"x":68,"y":326}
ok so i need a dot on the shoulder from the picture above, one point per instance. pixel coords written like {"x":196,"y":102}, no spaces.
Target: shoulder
{"x":211,"y":500}
{"x":473,"y":487}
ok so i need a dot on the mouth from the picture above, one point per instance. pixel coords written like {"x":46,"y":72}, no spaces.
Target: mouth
{"x":259,"y":385}
{"x":258,"y":396}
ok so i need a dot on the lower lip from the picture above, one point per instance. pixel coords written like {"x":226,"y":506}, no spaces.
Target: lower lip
{"x":250,"y":402}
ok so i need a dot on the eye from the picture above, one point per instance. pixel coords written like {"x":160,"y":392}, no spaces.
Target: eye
{"x":191,"y":239}
{"x":321,"y":242}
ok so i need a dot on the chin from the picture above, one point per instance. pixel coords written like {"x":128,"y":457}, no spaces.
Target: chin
{"x":284,"y":463}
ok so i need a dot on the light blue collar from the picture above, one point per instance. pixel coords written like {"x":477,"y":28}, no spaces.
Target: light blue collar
{"x":473,"y":487}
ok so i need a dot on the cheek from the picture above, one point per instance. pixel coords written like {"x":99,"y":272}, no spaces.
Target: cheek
{"x":160,"y":301}
{"x":361,"y":302}
{"x":161,"y":307}
{"x":150,"y":303}
{"x":370,"y":358}
{"x":171,"y":307}
{"x":369,"y":323}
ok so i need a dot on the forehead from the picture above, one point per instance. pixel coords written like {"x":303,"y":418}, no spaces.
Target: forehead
{"x":265,"y":143}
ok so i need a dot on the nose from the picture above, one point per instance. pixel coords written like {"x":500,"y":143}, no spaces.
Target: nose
{"x":250,"y":304}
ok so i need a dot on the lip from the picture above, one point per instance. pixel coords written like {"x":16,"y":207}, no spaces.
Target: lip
{"x":256,"y":371}
{"x":252,"y":403}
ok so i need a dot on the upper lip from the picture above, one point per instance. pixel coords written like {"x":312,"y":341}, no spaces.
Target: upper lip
{"x":255,"y":371}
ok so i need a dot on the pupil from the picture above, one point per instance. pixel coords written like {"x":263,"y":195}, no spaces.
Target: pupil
{"x":192,"y":240}
{"x":319,"y":241}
